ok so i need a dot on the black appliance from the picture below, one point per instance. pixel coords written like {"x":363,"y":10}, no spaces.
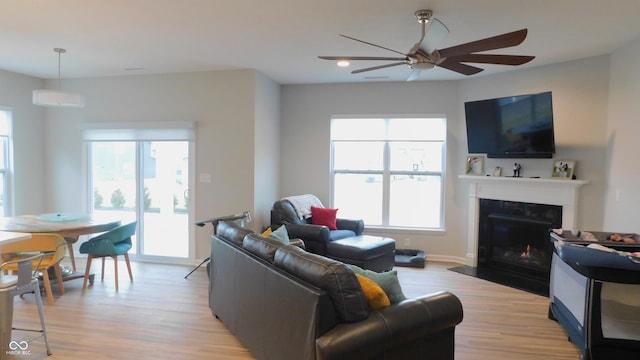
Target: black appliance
{"x":511,"y":127}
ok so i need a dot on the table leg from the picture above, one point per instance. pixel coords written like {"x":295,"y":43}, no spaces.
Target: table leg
{"x":67,"y":274}
{"x":6,"y":308}
{"x":70,"y":241}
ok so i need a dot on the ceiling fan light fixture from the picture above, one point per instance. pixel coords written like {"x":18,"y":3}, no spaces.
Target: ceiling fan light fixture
{"x":58,"y":98}
{"x":343,"y":63}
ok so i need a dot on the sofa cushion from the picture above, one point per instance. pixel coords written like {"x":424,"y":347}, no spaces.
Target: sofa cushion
{"x":324,"y":216}
{"x":388,"y":281}
{"x":332,"y":276}
{"x":280,"y":234}
{"x":375,"y":296}
{"x":267,"y":232}
{"x":232,"y":231}
{"x":263,"y":247}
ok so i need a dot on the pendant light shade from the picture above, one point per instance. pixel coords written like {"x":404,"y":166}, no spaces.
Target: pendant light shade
{"x":58,"y":98}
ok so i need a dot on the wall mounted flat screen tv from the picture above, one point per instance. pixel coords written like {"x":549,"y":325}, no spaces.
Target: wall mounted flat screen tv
{"x":511,"y":127}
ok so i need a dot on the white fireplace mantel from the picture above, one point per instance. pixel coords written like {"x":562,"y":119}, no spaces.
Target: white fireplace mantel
{"x":531,"y":190}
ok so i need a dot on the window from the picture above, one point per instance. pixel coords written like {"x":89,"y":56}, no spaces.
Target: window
{"x":389,"y":171}
{"x":5,"y":160}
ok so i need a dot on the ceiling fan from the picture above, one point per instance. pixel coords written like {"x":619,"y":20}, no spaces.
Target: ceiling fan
{"x":425,"y":54}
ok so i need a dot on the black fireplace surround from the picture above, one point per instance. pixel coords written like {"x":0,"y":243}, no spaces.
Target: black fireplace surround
{"x":513,"y":243}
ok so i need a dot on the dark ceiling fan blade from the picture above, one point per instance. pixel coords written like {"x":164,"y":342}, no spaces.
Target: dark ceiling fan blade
{"x":496,"y":42}
{"x":463,"y":69}
{"x":493,"y":59}
{"x":378,"y":46}
{"x":378,"y":67}
{"x":382,"y":58}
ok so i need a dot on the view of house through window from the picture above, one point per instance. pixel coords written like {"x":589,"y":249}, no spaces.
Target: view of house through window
{"x":389,"y":171}
{"x":145,"y":181}
{"x":5,"y":125}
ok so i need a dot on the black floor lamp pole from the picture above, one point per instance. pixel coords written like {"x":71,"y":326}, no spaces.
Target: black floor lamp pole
{"x":198,"y":266}
{"x":214,"y":222}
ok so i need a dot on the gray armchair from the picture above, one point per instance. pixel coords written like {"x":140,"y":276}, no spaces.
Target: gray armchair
{"x":315,"y":237}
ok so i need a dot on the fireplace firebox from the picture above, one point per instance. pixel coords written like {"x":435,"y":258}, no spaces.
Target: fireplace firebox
{"x":513,"y":243}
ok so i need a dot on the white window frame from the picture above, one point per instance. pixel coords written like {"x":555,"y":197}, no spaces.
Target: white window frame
{"x":139,"y":132}
{"x":387,"y":173}
{"x":7,"y":172}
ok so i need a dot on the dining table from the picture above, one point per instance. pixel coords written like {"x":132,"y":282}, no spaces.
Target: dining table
{"x":68,"y":225}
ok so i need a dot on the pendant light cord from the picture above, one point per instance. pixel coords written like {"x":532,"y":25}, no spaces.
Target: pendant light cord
{"x":59,"y":80}
{"x":59,"y":51}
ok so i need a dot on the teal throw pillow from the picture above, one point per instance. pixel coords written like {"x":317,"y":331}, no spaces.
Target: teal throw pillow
{"x":281,"y":235}
{"x":388,"y":281}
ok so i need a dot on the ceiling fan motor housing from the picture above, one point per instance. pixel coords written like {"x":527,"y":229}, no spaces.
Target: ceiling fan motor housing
{"x":423,"y":16}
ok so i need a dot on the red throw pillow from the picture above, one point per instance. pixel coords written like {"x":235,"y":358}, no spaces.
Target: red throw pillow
{"x":324,"y":216}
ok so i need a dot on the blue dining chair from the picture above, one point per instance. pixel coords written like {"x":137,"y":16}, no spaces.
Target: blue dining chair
{"x":112,"y":243}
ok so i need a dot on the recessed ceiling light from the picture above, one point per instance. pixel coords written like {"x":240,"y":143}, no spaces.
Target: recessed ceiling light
{"x":343,"y":63}
{"x":133,"y":68}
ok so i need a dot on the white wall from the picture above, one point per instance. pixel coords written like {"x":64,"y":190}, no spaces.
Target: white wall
{"x":623,"y":145}
{"x":223,"y":105}
{"x":580,"y":92}
{"x":267,"y":150}
{"x":29,"y":179}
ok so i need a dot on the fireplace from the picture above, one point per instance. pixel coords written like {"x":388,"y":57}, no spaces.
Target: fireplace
{"x":513,"y":242}
{"x":521,"y":216}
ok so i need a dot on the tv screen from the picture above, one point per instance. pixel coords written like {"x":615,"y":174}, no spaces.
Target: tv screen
{"x":511,"y":127}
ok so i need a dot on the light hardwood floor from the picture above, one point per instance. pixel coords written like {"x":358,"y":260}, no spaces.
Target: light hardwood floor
{"x":161,"y":315}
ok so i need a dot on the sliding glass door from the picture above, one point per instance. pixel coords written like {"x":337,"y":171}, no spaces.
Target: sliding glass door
{"x":147,"y":181}
{"x":165,"y":198}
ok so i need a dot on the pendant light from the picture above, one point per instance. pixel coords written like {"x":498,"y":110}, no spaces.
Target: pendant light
{"x":58,"y":97}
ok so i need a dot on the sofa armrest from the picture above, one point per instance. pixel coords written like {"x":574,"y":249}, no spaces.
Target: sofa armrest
{"x":392,"y":327}
{"x":297,"y":242}
{"x":315,"y":237}
{"x":357,"y":226}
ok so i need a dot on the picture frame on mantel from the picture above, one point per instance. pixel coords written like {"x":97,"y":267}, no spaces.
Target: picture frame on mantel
{"x":475,"y":165}
{"x":563,"y":169}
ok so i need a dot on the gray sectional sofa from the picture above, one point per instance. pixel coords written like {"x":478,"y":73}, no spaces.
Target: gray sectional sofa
{"x":283,"y":302}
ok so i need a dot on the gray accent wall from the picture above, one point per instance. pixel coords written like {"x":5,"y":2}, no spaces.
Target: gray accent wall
{"x":621,"y":211}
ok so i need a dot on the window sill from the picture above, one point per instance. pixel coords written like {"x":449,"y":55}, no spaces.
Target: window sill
{"x":378,"y":230}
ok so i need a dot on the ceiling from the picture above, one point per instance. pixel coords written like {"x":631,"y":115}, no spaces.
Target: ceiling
{"x":283,"y":38}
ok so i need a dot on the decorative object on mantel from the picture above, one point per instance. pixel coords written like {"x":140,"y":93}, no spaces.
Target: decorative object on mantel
{"x":475,"y":165}
{"x":516,"y":169}
{"x":497,"y":171}
{"x":563,"y":169}
{"x":58,"y":97}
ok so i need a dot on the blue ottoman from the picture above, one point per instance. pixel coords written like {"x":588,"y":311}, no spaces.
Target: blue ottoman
{"x":366,"y":251}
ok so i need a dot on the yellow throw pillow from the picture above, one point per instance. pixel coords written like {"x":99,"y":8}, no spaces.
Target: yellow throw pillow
{"x":373,"y":293}
{"x":266,"y":232}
